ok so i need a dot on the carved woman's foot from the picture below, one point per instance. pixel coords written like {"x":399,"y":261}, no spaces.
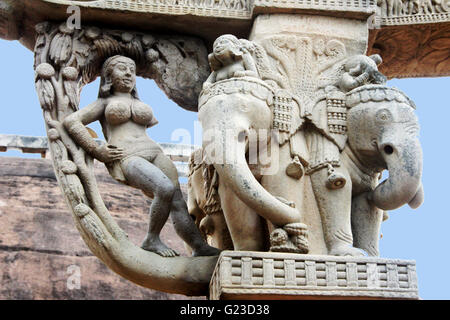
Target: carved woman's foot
{"x":154,"y":244}
{"x":346,"y":250}
{"x":205,"y":250}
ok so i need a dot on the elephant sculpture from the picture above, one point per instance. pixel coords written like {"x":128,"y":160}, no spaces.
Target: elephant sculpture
{"x":383,"y":134}
{"x":374,"y":129}
{"x":234,"y":107}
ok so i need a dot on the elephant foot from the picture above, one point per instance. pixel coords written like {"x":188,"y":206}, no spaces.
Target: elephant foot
{"x":335,"y":180}
{"x":346,"y":250}
{"x":154,"y":244}
{"x":295,"y":169}
{"x":292,"y":238}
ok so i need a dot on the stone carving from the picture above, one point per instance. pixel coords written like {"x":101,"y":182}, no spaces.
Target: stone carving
{"x":389,"y":12}
{"x":157,"y":57}
{"x":228,"y":60}
{"x":394,"y":129}
{"x":131,"y":156}
{"x":262,"y":275}
{"x":301,"y":89}
{"x":320,"y":111}
{"x":242,"y":103}
{"x":397,"y":8}
{"x":360,"y":70}
{"x":418,"y":59}
{"x":204,"y":203}
{"x":16,"y":23}
{"x":239,"y":9}
{"x":66,"y":60}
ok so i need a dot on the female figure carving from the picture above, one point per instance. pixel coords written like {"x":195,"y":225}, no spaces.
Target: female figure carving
{"x":132,"y":157}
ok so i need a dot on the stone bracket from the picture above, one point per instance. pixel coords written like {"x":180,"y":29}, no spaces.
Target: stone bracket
{"x":268,"y":275}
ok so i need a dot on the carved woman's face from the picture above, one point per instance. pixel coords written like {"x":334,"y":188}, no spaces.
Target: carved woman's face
{"x":123,"y":76}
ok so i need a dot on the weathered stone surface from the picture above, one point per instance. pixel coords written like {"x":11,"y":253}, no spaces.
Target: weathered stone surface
{"x":262,"y":275}
{"x":39,"y":240}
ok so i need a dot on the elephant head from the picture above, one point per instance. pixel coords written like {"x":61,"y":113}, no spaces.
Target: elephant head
{"x":382,"y":133}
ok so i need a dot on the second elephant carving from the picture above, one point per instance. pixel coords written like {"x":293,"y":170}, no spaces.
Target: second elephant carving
{"x":268,"y":159}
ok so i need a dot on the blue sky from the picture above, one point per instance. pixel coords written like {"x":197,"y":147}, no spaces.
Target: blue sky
{"x":422,"y":234}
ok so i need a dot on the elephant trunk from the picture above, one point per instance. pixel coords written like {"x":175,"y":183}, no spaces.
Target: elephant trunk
{"x":404,"y":162}
{"x":238,"y":176}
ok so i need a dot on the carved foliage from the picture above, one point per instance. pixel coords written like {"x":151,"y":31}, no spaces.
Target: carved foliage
{"x":416,"y":51}
{"x":177,"y":64}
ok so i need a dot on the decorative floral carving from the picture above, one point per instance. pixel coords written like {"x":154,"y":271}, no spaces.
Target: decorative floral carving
{"x":418,"y":51}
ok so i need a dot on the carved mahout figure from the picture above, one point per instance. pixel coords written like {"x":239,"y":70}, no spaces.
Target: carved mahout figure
{"x":229,"y":60}
{"x":132,"y":157}
{"x":359,"y":70}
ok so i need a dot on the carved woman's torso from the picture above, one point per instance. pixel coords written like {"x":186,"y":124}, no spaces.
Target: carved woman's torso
{"x":127,"y":120}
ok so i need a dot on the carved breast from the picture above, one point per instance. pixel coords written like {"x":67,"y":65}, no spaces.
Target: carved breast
{"x":118,"y":112}
{"x":142,"y":113}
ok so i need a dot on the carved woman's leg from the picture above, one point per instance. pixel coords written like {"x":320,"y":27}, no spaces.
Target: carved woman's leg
{"x":184,"y":225}
{"x":145,"y":176}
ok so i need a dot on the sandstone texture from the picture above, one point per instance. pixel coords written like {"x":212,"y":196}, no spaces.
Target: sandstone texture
{"x":40,"y":247}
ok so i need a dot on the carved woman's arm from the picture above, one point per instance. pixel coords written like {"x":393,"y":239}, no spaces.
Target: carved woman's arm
{"x":75,"y":126}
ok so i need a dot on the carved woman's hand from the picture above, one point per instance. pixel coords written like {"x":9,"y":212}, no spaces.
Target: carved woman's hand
{"x":108,"y":153}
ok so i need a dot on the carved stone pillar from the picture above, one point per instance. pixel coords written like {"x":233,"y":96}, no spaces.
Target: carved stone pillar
{"x":307,"y":51}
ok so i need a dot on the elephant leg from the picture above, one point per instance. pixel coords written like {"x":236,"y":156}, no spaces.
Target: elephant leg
{"x":335,"y":210}
{"x":246,"y":227}
{"x":366,"y":223}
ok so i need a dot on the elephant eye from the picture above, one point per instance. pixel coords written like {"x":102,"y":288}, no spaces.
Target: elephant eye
{"x":383,"y":115}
